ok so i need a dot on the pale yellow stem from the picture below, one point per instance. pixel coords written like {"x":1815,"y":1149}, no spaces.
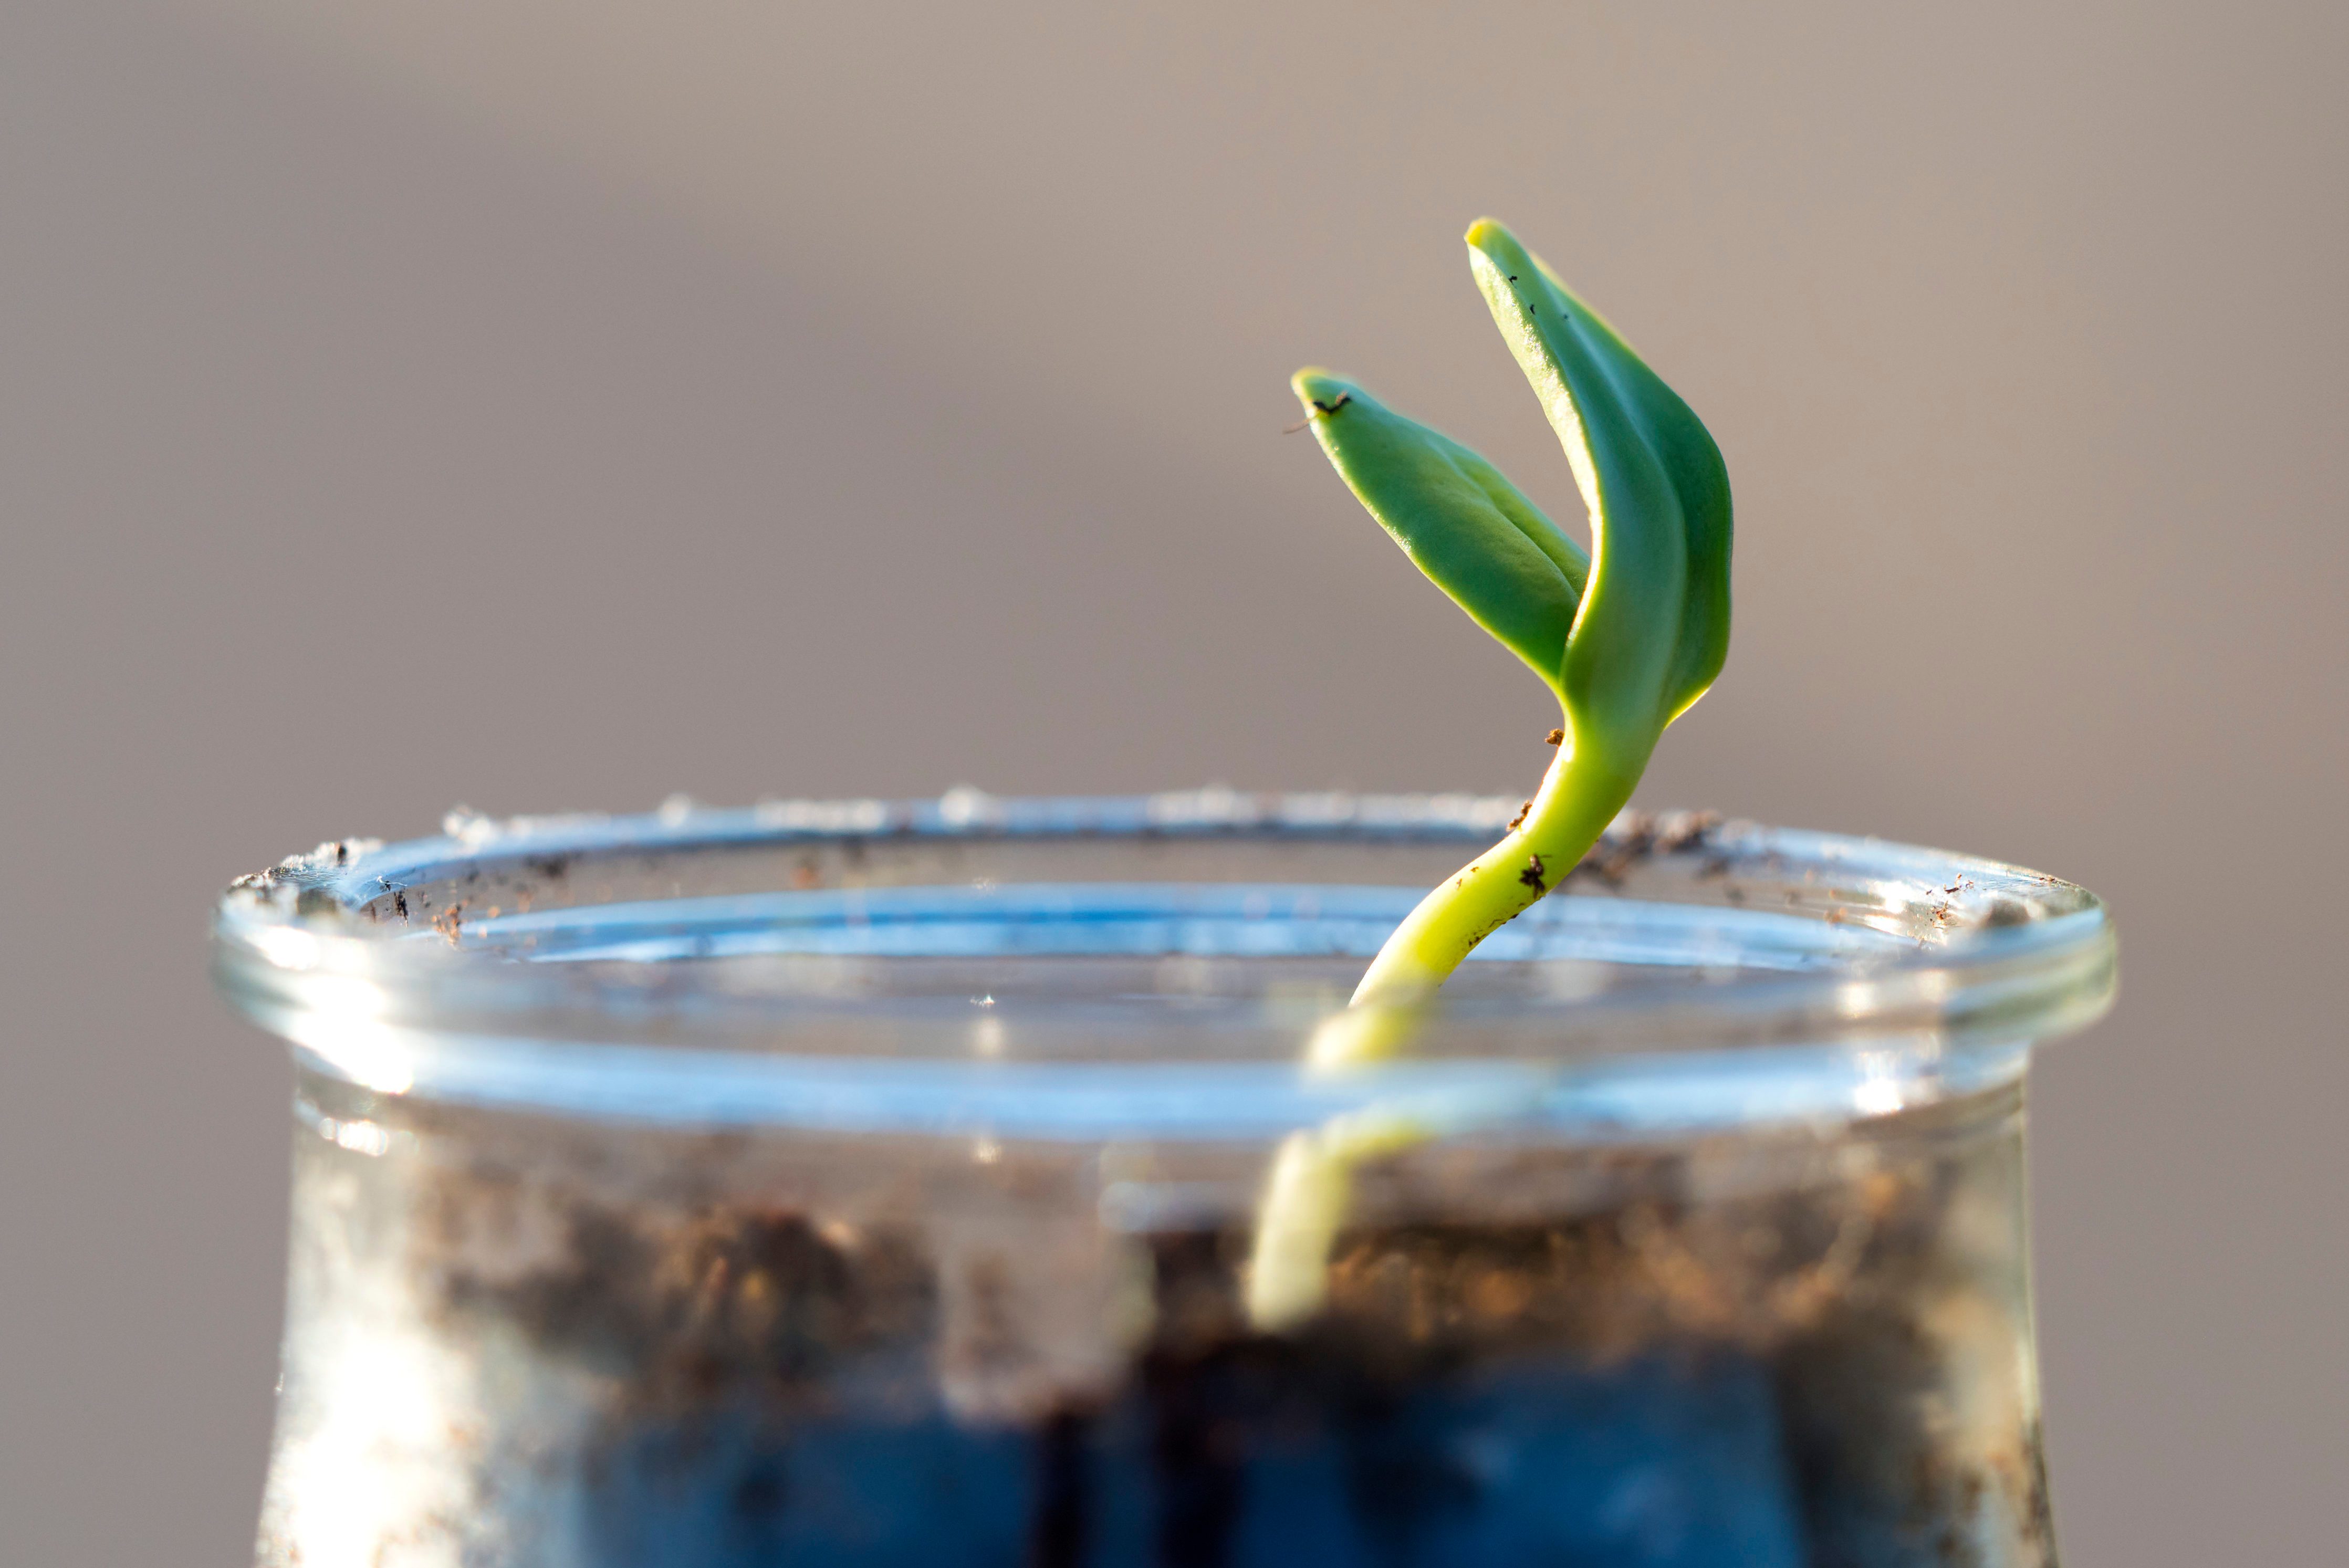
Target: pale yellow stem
{"x":1310,"y":1188}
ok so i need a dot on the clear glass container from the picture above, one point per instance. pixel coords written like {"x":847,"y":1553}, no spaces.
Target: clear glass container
{"x":859,"y":1183}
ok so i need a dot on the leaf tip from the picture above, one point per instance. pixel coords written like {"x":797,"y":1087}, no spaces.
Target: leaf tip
{"x":1484,"y":231}
{"x":1323,"y":391}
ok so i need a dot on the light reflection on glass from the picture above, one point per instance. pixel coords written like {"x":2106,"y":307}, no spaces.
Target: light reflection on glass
{"x":287,"y":947}
{"x":377,"y":1459}
{"x":345,"y":1026}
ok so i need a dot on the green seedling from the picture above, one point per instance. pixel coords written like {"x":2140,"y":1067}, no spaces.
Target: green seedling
{"x":1627,"y":636}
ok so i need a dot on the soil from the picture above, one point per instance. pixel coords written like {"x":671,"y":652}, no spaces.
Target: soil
{"x":1668,"y":1375}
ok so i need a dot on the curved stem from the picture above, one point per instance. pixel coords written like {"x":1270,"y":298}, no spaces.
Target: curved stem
{"x":1310,"y":1185}
{"x":1580,"y":795}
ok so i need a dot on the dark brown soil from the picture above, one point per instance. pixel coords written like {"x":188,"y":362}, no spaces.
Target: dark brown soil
{"x":1785,"y":1335}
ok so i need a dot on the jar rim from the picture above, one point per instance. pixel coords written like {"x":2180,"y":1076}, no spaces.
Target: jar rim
{"x":1875,"y":975}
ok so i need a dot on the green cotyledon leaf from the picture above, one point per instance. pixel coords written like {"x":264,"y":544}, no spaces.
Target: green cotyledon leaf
{"x":1457,"y":517}
{"x":1654,"y":625}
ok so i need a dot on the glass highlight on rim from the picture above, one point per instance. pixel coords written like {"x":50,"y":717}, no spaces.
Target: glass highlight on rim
{"x":1103,"y":968}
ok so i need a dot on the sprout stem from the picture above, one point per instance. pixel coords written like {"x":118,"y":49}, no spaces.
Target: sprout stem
{"x":1307,"y":1196}
{"x":1580,"y":795}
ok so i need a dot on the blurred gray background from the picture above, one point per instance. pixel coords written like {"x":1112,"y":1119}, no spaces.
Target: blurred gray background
{"x":558,"y":403}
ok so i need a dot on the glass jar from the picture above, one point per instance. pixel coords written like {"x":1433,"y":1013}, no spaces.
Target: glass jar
{"x":858,"y":1183}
